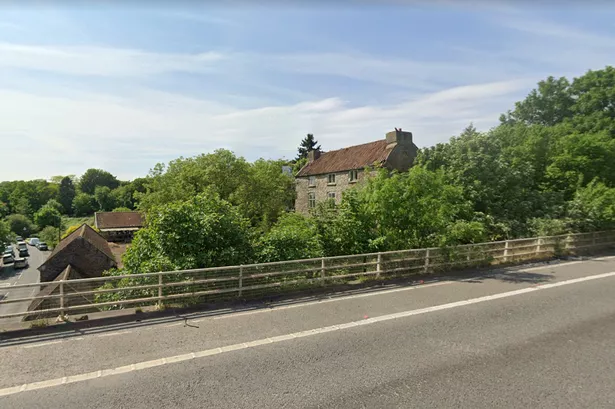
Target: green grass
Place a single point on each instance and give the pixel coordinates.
(77, 221)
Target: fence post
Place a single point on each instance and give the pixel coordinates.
(426, 268)
(506, 251)
(567, 245)
(322, 270)
(159, 290)
(538, 243)
(240, 280)
(378, 266)
(594, 239)
(62, 300)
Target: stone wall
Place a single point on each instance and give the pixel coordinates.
(322, 188)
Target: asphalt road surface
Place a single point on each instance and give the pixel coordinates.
(10, 277)
(534, 337)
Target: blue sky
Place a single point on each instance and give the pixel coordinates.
(124, 87)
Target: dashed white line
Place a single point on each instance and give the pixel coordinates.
(282, 338)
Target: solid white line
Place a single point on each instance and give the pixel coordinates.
(113, 333)
(282, 338)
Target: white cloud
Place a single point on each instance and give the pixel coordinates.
(101, 61)
(128, 135)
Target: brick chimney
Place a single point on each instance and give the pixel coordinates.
(398, 137)
(313, 155)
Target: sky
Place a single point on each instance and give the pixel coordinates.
(123, 86)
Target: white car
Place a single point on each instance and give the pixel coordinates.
(34, 241)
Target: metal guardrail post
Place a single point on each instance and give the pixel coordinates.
(378, 266)
(62, 299)
(426, 268)
(506, 251)
(240, 280)
(159, 290)
(322, 270)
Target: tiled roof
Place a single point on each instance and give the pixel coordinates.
(87, 233)
(352, 157)
(69, 273)
(117, 220)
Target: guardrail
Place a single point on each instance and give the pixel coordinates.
(253, 280)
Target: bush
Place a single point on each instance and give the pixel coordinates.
(48, 215)
(122, 209)
(49, 235)
(294, 236)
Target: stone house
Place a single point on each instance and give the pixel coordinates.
(83, 254)
(327, 175)
(118, 226)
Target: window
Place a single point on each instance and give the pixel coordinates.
(331, 195)
(353, 175)
(331, 178)
(312, 181)
(311, 200)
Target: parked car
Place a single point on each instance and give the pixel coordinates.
(23, 249)
(7, 259)
(18, 239)
(34, 241)
(20, 262)
(8, 250)
(42, 246)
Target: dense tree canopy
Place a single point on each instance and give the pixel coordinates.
(307, 144)
(97, 177)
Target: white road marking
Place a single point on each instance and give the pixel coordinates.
(42, 344)
(110, 334)
(283, 338)
(3, 285)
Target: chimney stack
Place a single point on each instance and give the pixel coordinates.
(398, 137)
(313, 155)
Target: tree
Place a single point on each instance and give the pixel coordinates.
(48, 215)
(66, 194)
(593, 207)
(105, 200)
(84, 204)
(294, 236)
(307, 144)
(5, 234)
(20, 225)
(548, 105)
(204, 231)
(265, 194)
(121, 209)
(49, 235)
(97, 177)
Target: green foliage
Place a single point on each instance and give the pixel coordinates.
(66, 194)
(122, 209)
(49, 235)
(48, 215)
(74, 227)
(5, 234)
(97, 177)
(593, 207)
(260, 190)
(293, 237)
(84, 204)
(307, 144)
(204, 231)
(105, 200)
(20, 225)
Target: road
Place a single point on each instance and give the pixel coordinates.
(10, 277)
(539, 337)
